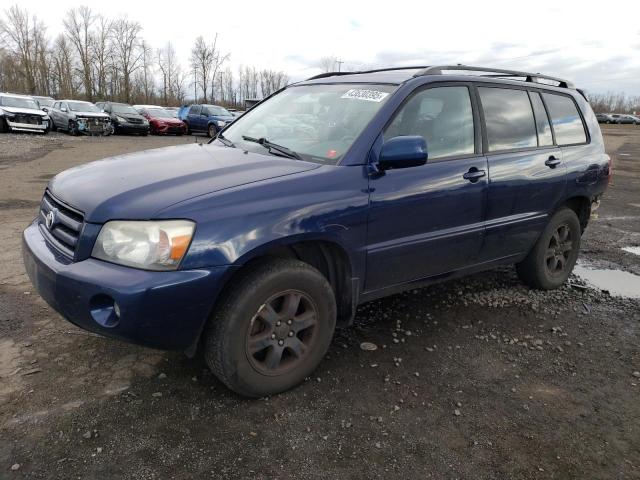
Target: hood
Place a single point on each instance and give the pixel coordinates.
(30, 111)
(225, 118)
(137, 185)
(89, 114)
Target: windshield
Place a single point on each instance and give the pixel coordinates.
(215, 110)
(319, 122)
(45, 102)
(159, 113)
(18, 102)
(122, 108)
(82, 107)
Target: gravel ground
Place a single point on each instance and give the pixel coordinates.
(477, 378)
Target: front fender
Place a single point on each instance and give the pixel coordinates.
(329, 203)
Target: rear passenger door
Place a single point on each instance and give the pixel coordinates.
(428, 220)
(527, 177)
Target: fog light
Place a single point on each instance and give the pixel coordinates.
(104, 310)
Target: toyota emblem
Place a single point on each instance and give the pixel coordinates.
(50, 219)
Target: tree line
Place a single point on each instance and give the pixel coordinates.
(99, 58)
(614, 103)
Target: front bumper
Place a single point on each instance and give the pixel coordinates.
(28, 127)
(170, 129)
(131, 128)
(165, 310)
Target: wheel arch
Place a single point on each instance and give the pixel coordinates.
(328, 257)
(581, 205)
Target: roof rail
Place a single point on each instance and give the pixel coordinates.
(386, 69)
(494, 72)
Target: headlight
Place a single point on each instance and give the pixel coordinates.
(150, 245)
(221, 123)
(121, 119)
(45, 117)
(145, 122)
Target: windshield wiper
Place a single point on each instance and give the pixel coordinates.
(224, 140)
(273, 147)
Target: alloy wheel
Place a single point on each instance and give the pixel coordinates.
(559, 250)
(282, 332)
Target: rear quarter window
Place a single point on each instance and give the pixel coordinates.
(509, 118)
(566, 121)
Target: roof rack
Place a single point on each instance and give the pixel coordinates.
(386, 69)
(494, 72)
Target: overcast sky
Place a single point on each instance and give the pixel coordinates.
(594, 43)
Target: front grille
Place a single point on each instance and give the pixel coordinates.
(94, 124)
(135, 120)
(28, 119)
(64, 232)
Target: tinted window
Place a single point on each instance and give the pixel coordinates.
(443, 116)
(194, 110)
(565, 118)
(542, 120)
(509, 118)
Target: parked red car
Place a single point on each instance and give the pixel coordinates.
(161, 121)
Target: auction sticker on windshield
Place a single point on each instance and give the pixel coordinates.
(363, 94)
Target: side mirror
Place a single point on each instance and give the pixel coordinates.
(45, 109)
(403, 152)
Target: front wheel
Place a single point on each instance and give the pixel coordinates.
(272, 329)
(211, 131)
(554, 255)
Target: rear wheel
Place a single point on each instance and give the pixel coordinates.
(272, 328)
(554, 255)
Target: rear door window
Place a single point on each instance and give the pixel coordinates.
(509, 119)
(565, 119)
(545, 138)
(442, 116)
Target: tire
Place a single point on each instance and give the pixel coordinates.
(550, 262)
(4, 128)
(73, 131)
(237, 325)
(187, 130)
(211, 131)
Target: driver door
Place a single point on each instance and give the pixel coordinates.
(429, 220)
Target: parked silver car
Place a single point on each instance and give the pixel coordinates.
(76, 117)
(20, 113)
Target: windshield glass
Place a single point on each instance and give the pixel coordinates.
(122, 108)
(159, 113)
(45, 102)
(319, 122)
(215, 110)
(19, 102)
(82, 107)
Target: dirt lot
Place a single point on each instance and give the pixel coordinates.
(479, 378)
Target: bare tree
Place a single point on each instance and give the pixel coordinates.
(77, 24)
(24, 36)
(328, 64)
(63, 67)
(206, 60)
(101, 53)
(272, 81)
(127, 53)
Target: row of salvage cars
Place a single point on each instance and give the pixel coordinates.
(22, 113)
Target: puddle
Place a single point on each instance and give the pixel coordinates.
(616, 282)
(635, 250)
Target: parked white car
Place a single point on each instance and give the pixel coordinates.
(20, 113)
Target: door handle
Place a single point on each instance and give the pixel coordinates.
(552, 162)
(473, 175)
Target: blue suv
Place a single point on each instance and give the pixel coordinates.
(209, 119)
(335, 191)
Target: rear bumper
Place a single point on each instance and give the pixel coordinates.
(164, 310)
